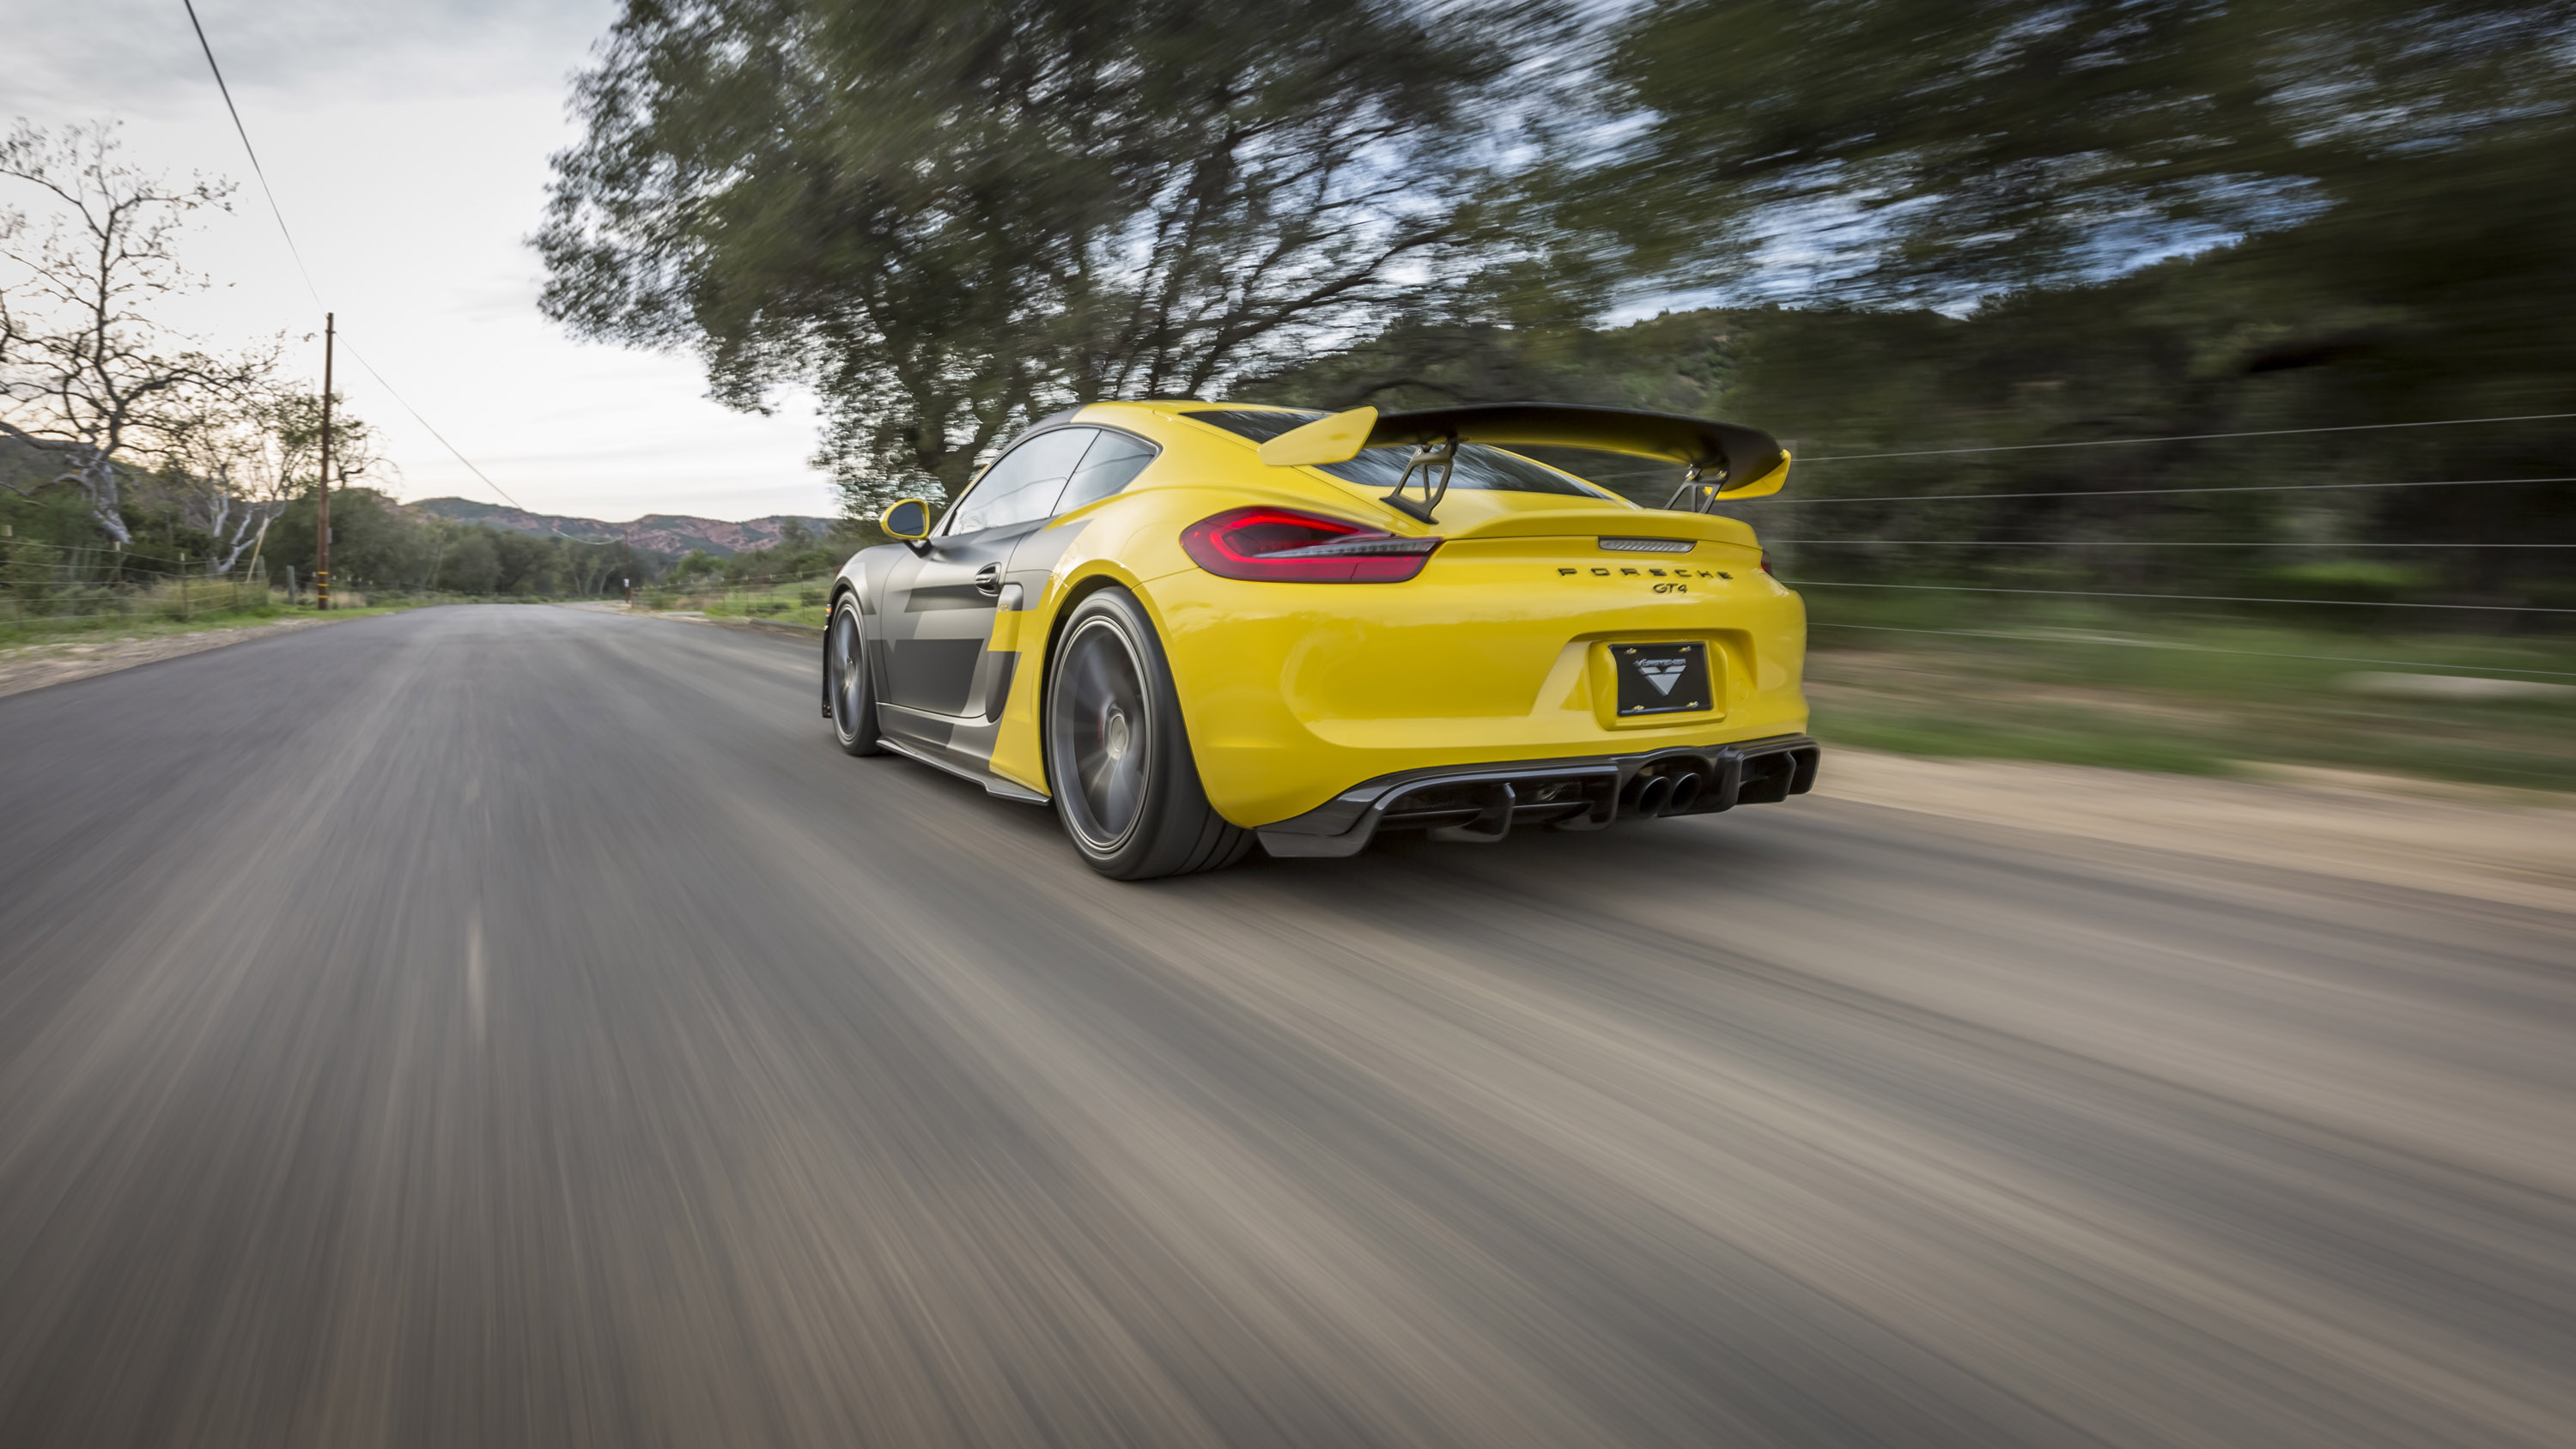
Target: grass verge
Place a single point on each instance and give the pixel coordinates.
(797, 601)
(2189, 695)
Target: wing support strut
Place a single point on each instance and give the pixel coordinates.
(1439, 456)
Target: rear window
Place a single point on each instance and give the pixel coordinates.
(1479, 467)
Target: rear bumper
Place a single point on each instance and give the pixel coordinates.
(1484, 802)
(1292, 693)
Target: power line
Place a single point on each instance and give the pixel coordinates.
(2491, 669)
(433, 432)
(2140, 543)
(298, 254)
(2136, 492)
(253, 152)
(2190, 437)
(2196, 598)
(235, 112)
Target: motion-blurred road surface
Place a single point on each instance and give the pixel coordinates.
(521, 1027)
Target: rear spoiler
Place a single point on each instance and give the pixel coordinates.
(1743, 462)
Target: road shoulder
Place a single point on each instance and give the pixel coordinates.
(34, 666)
(2515, 847)
(749, 625)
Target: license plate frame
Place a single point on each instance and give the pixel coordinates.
(1662, 677)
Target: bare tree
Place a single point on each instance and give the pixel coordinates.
(88, 372)
(241, 457)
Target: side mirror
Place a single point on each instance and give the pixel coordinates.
(908, 520)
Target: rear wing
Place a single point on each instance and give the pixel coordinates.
(1719, 460)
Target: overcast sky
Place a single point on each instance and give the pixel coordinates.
(407, 143)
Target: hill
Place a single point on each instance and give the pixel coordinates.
(668, 534)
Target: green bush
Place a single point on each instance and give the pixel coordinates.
(2354, 579)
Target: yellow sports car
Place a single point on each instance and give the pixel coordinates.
(1191, 626)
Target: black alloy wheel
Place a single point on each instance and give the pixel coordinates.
(845, 682)
(1118, 758)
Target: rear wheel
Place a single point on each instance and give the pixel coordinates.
(1118, 759)
(845, 682)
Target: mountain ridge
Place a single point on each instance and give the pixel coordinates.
(667, 534)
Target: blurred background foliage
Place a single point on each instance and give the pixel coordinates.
(1968, 234)
(947, 219)
(1872, 226)
(1997, 269)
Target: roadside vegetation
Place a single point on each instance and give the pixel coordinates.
(2000, 272)
(2202, 694)
(789, 583)
(799, 600)
(2109, 339)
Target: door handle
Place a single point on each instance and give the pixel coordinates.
(989, 578)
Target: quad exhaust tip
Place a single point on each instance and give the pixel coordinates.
(1654, 794)
(1676, 793)
(1483, 803)
(1684, 793)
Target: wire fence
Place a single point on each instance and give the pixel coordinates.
(2144, 439)
(49, 588)
(45, 589)
(2179, 646)
(2310, 545)
(2150, 492)
(2330, 566)
(2185, 598)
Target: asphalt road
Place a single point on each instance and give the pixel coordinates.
(521, 1027)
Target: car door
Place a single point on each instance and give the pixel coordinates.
(939, 605)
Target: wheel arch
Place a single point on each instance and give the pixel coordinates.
(844, 586)
(1091, 581)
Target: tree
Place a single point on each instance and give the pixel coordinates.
(88, 373)
(946, 219)
(473, 565)
(236, 461)
(1936, 152)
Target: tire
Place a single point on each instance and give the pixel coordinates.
(849, 696)
(1117, 756)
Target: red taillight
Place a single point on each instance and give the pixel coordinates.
(1277, 545)
(1766, 563)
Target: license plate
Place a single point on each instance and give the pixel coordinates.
(1662, 678)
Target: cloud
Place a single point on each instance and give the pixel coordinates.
(137, 57)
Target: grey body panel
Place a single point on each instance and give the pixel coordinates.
(929, 608)
(959, 739)
(935, 657)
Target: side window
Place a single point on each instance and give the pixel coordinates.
(1023, 485)
(1112, 464)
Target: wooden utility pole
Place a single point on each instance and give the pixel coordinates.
(322, 494)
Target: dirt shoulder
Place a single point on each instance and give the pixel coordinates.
(2511, 846)
(33, 666)
(699, 616)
